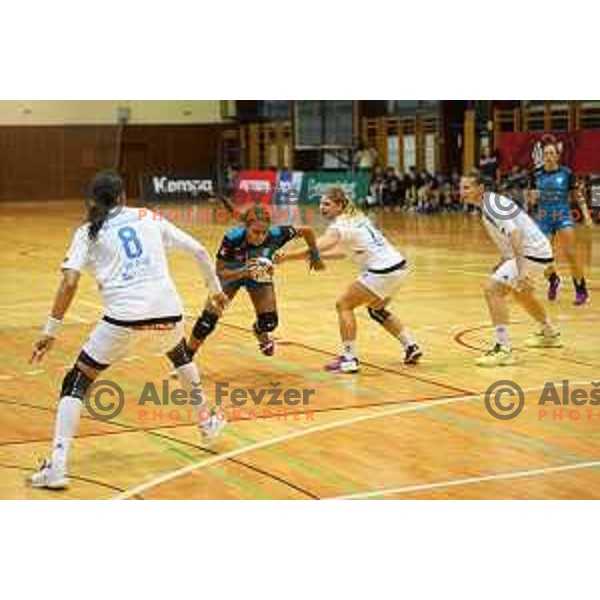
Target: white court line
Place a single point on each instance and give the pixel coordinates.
(407, 489)
(169, 476)
(280, 439)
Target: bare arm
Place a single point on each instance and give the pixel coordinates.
(314, 253)
(63, 298)
(326, 242)
(578, 196)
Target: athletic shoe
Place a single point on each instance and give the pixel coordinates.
(497, 356)
(553, 288)
(267, 347)
(49, 477)
(541, 340)
(412, 355)
(211, 428)
(581, 297)
(341, 364)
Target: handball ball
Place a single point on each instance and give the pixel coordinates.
(263, 262)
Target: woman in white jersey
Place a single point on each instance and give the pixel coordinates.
(127, 252)
(382, 271)
(526, 253)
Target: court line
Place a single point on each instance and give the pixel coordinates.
(143, 487)
(412, 376)
(237, 461)
(407, 489)
(110, 486)
(458, 338)
(169, 476)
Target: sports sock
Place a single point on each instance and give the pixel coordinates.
(189, 378)
(349, 349)
(502, 336)
(548, 329)
(406, 339)
(67, 420)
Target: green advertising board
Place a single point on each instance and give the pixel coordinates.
(316, 183)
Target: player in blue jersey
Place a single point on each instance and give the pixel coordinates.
(245, 260)
(554, 187)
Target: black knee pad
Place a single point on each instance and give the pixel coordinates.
(205, 324)
(266, 322)
(180, 355)
(75, 383)
(380, 315)
(87, 360)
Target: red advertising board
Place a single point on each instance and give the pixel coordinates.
(580, 150)
(253, 188)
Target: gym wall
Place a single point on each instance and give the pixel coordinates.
(51, 149)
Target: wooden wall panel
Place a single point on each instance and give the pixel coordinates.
(48, 162)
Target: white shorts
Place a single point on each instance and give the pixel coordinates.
(110, 343)
(383, 285)
(507, 272)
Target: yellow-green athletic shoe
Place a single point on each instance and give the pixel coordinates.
(541, 340)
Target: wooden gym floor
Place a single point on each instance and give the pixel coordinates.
(390, 432)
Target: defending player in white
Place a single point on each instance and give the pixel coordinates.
(127, 252)
(382, 271)
(526, 252)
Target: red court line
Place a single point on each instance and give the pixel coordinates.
(458, 338)
(446, 386)
(150, 430)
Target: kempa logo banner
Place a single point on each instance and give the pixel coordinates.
(174, 187)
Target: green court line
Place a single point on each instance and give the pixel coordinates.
(521, 441)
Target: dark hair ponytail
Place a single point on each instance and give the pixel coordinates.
(105, 192)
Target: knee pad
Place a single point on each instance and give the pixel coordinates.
(75, 384)
(180, 355)
(87, 360)
(205, 324)
(266, 322)
(380, 315)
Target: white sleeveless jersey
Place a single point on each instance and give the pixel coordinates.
(130, 264)
(368, 247)
(501, 216)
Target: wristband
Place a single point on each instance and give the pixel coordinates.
(315, 254)
(51, 327)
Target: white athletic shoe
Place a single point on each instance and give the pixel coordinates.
(211, 428)
(343, 364)
(49, 477)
